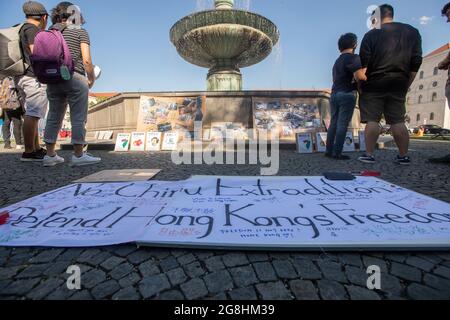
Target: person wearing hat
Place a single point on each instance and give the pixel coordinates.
(33, 93)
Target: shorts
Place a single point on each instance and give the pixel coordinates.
(373, 105)
(34, 96)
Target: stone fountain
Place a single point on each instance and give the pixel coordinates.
(224, 40)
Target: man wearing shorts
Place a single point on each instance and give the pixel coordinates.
(392, 55)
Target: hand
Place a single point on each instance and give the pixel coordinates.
(91, 83)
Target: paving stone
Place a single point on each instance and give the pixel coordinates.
(151, 286)
(359, 293)
(307, 270)
(443, 272)
(160, 253)
(99, 258)
(138, 257)
(284, 269)
(235, 259)
(420, 263)
(186, 259)
(44, 288)
(194, 289)
(417, 291)
(176, 276)
(88, 255)
(105, 289)
(332, 271)
(112, 262)
(149, 268)
(356, 276)
(436, 259)
(121, 271)
(241, 294)
(62, 293)
(20, 287)
(70, 255)
(81, 295)
(304, 290)
(332, 290)
(169, 263)
(243, 276)
(57, 269)
(391, 285)
(178, 253)
(46, 256)
(4, 284)
(373, 261)
(9, 272)
(204, 255)
(406, 272)
(436, 282)
(129, 293)
(92, 278)
(125, 250)
(351, 259)
(171, 295)
(218, 281)
(218, 297)
(130, 280)
(194, 270)
(214, 264)
(280, 256)
(257, 257)
(265, 271)
(395, 257)
(273, 291)
(33, 271)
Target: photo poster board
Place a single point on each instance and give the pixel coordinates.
(236, 130)
(321, 142)
(138, 141)
(154, 141)
(362, 141)
(349, 144)
(305, 143)
(285, 117)
(170, 114)
(170, 141)
(122, 142)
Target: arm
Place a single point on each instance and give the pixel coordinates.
(412, 76)
(365, 52)
(360, 75)
(445, 64)
(416, 59)
(87, 61)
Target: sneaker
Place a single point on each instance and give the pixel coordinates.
(42, 152)
(444, 160)
(32, 157)
(367, 159)
(8, 146)
(53, 161)
(405, 161)
(341, 157)
(84, 160)
(20, 147)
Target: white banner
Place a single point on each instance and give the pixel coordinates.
(277, 213)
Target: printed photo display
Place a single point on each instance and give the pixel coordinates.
(122, 142)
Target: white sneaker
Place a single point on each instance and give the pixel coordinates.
(20, 147)
(84, 160)
(52, 161)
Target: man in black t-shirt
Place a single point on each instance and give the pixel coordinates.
(346, 71)
(392, 55)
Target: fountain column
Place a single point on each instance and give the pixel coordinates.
(225, 75)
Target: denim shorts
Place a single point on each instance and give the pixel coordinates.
(34, 94)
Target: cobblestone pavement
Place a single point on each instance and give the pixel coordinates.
(126, 272)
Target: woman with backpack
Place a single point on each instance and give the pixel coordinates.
(74, 92)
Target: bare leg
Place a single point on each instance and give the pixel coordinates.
(401, 137)
(372, 135)
(51, 149)
(30, 133)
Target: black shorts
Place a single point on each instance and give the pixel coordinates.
(373, 105)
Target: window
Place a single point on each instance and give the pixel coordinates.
(434, 97)
(421, 87)
(421, 74)
(435, 84)
(432, 116)
(418, 117)
(420, 99)
(436, 71)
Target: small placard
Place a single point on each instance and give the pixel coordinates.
(305, 143)
(122, 142)
(349, 144)
(138, 141)
(321, 138)
(153, 141)
(170, 141)
(362, 141)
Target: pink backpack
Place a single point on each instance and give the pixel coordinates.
(51, 59)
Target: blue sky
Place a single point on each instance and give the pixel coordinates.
(130, 39)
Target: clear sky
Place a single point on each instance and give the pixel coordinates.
(130, 39)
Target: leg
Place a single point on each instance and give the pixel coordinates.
(348, 104)
(57, 111)
(372, 135)
(331, 135)
(6, 130)
(371, 107)
(78, 101)
(401, 137)
(17, 129)
(395, 113)
(30, 133)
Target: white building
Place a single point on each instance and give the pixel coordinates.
(426, 101)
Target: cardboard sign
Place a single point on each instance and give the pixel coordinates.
(305, 143)
(321, 140)
(170, 141)
(122, 142)
(138, 141)
(362, 141)
(153, 141)
(349, 144)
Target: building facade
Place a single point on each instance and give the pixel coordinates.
(426, 101)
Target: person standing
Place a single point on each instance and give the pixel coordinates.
(74, 92)
(445, 65)
(33, 93)
(346, 72)
(12, 112)
(392, 55)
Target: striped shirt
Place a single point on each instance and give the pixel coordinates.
(74, 39)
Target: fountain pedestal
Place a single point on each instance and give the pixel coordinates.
(224, 77)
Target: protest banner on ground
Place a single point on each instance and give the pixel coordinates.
(255, 213)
